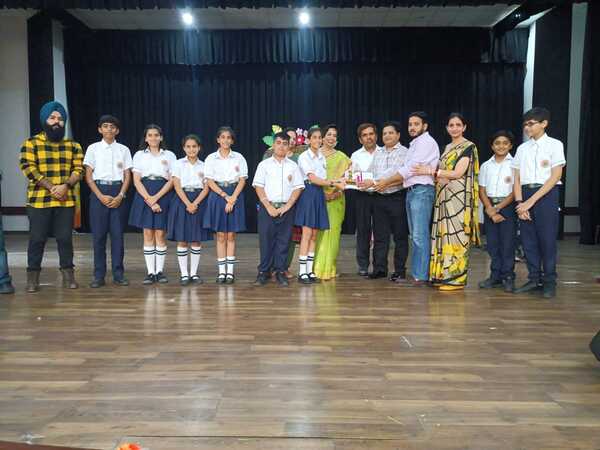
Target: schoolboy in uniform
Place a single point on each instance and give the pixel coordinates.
(107, 173)
(538, 166)
(496, 194)
(278, 183)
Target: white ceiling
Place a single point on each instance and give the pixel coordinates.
(245, 18)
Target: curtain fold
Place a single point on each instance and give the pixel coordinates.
(589, 154)
(290, 46)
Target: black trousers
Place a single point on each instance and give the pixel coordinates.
(45, 222)
(389, 218)
(363, 207)
(274, 235)
(501, 240)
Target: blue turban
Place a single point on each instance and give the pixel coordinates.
(49, 108)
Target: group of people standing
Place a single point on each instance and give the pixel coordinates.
(399, 192)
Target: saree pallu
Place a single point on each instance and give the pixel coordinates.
(328, 241)
(455, 218)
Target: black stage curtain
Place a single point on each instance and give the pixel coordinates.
(251, 97)
(325, 45)
(589, 159)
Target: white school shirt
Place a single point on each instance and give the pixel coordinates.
(535, 159)
(497, 178)
(225, 170)
(278, 179)
(108, 161)
(311, 163)
(362, 160)
(190, 175)
(148, 164)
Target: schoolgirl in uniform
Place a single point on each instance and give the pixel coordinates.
(152, 169)
(225, 172)
(187, 209)
(311, 211)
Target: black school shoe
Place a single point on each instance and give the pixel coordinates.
(148, 279)
(97, 283)
(262, 278)
(161, 278)
(379, 274)
(530, 287)
(509, 285)
(282, 279)
(397, 276)
(304, 279)
(490, 283)
(313, 278)
(121, 281)
(549, 290)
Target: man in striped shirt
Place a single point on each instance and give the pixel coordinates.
(53, 165)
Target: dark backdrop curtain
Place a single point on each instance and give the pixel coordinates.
(589, 159)
(251, 97)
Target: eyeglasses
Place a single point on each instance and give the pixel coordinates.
(530, 123)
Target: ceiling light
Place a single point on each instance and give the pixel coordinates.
(187, 18)
(304, 18)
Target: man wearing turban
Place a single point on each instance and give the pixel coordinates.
(53, 166)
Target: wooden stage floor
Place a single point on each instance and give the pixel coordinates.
(350, 364)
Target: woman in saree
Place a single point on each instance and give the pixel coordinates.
(328, 241)
(455, 214)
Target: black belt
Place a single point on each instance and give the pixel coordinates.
(389, 194)
(226, 184)
(191, 189)
(108, 182)
(154, 178)
(277, 204)
(532, 186)
(496, 200)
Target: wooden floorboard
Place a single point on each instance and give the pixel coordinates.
(344, 365)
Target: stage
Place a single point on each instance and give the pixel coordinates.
(348, 364)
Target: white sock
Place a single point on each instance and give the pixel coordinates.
(310, 261)
(150, 257)
(182, 257)
(161, 255)
(230, 264)
(195, 260)
(302, 260)
(222, 264)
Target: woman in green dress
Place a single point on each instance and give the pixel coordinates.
(455, 214)
(328, 241)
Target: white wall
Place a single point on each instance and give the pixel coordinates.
(530, 65)
(14, 110)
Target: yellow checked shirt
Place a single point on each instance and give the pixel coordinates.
(41, 158)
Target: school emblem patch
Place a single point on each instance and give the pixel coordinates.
(290, 178)
(200, 174)
(164, 162)
(545, 163)
(237, 168)
(119, 165)
(508, 180)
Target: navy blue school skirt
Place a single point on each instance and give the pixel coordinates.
(141, 216)
(311, 210)
(216, 219)
(186, 227)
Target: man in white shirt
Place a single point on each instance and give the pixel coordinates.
(362, 161)
(278, 184)
(538, 166)
(107, 165)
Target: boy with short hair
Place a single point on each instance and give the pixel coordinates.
(538, 166)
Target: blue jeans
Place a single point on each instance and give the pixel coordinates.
(419, 205)
(4, 276)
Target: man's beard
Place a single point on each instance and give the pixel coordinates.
(55, 133)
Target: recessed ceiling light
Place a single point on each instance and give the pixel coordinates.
(304, 18)
(187, 18)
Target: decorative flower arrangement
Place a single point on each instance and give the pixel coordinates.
(301, 135)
